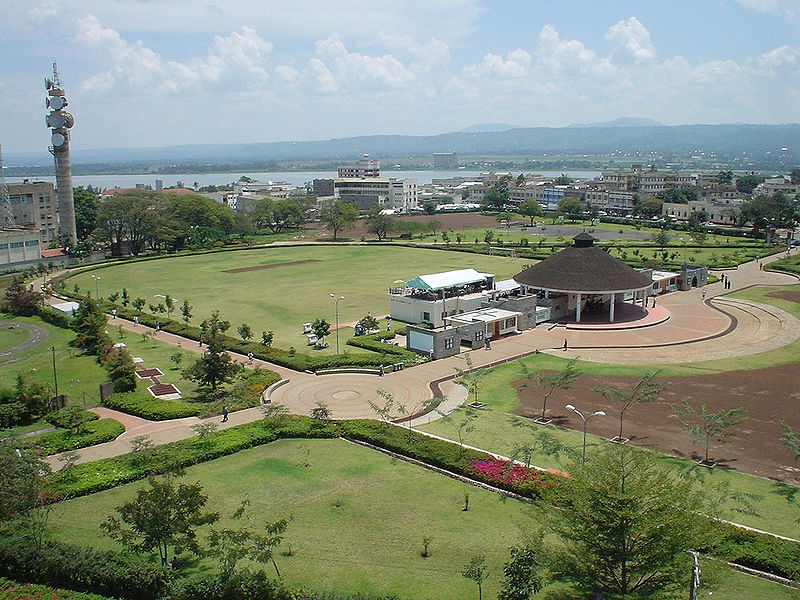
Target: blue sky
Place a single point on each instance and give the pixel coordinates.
(163, 72)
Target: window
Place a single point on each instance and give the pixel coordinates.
(426, 316)
(448, 343)
(32, 243)
(16, 244)
(479, 335)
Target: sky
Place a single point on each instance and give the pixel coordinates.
(170, 72)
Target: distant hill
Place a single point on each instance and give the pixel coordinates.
(622, 122)
(777, 142)
(487, 127)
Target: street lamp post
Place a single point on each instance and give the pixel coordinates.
(684, 249)
(337, 319)
(96, 286)
(597, 413)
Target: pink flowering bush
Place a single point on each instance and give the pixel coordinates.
(506, 474)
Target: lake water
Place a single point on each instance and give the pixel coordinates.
(297, 178)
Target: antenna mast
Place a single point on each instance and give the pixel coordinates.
(5, 201)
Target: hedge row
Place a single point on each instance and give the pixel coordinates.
(89, 434)
(375, 342)
(11, 590)
(87, 478)
(62, 416)
(142, 404)
(82, 569)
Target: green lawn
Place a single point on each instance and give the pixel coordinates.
(282, 298)
(11, 336)
(358, 521)
(79, 374)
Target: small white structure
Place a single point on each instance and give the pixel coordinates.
(66, 308)
(312, 339)
(306, 328)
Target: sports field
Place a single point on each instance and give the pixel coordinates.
(279, 288)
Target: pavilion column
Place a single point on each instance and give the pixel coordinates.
(578, 308)
(611, 309)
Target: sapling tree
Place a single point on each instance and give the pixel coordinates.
(320, 412)
(186, 311)
(245, 332)
(138, 305)
(383, 411)
(643, 391)
(477, 571)
(705, 426)
(267, 337)
(547, 382)
(321, 328)
(471, 378)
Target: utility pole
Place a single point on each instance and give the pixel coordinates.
(55, 376)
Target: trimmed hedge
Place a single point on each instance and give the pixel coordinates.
(89, 434)
(374, 342)
(59, 418)
(141, 404)
(757, 551)
(82, 569)
(11, 590)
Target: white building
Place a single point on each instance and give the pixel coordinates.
(401, 195)
(366, 167)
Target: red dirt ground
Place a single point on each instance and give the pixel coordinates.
(791, 296)
(272, 266)
(768, 395)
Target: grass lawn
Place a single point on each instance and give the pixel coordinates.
(282, 298)
(78, 373)
(11, 336)
(358, 520)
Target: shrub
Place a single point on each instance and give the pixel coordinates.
(62, 417)
(141, 404)
(11, 590)
(96, 432)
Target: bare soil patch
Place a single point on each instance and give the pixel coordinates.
(790, 295)
(768, 395)
(272, 266)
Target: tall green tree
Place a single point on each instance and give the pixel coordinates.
(278, 214)
(162, 516)
(627, 525)
(86, 207)
(747, 183)
(338, 215)
(530, 209)
(379, 224)
(571, 207)
(186, 312)
(24, 493)
(89, 323)
(215, 367)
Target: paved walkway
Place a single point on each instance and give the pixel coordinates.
(697, 330)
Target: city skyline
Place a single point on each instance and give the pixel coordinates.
(161, 73)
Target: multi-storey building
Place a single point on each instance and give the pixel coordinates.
(34, 207)
(445, 160)
(389, 193)
(613, 202)
(366, 167)
(720, 211)
(646, 183)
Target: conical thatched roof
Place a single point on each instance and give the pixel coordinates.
(583, 267)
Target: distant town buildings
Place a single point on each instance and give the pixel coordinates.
(445, 160)
(400, 195)
(365, 168)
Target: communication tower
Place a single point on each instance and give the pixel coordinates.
(7, 217)
(60, 122)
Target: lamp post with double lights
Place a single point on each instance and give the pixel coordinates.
(597, 413)
(96, 286)
(340, 298)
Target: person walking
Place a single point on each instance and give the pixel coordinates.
(224, 414)
(565, 344)
(703, 293)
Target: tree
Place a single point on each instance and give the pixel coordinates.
(383, 412)
(523, 572)
(660, 238)
(126, 299)
(488, 236)
(627, 525)
(277, 215)
(229, 546)
(320, 412)
(86, 205)
(215, 367)
(20, 299)
(138, 305)
(747, 183)
(245, 332)
(169, 304)
(648, 207)
(267, 337)
(89, 324)
(176, 358)
(571, 207)
(697, 219)
(706, 426)
(562, 179)
(477, 571)
(433, 226)
(547, 383)
(530, 209)
(186, 311)
(643, 391)
(338, 215)
(495, 198)
(25, 500)
(368, 323)
(321, 328)
(379, 224)
(795, 176)
(161, 516)
(725, 177)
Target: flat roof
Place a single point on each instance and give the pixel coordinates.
(486, 315)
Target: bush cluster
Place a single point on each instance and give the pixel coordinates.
(757, 551)
(375, 342)
(141, 404)
(11, 590)
(90, 434)
(82, 569)
(64, 417)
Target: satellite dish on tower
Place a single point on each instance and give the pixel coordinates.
(56, 120)
(48, 83)
(58, 140)
(69, 120)
(58, 102)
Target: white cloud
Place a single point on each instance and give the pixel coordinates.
(632, 41)
(786, 9)
(569, 57)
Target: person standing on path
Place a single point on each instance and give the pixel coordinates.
(224, 414)
(565, 344)
(703, 293)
